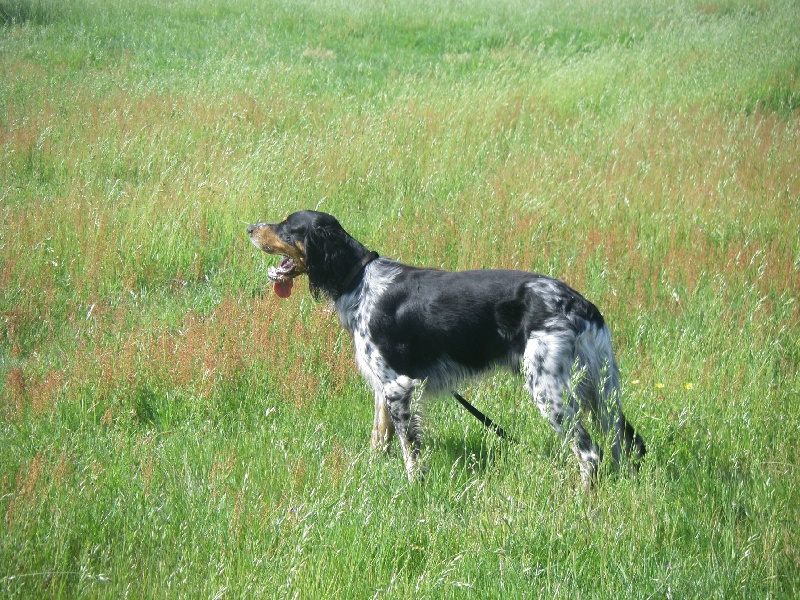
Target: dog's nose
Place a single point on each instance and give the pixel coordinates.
(250, 229)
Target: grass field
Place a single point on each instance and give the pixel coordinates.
(169, 428)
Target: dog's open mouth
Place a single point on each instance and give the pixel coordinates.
(283, 275)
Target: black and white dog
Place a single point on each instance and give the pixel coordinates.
(413, 325)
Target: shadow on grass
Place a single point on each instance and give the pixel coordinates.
(476, 453)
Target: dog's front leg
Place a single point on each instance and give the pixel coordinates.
(399, 395)
(382, 426)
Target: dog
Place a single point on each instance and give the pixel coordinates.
(417, 328)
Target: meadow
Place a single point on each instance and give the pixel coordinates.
(171, 428)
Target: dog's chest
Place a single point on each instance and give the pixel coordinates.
(355, 314)
(369, 359)
(371, 363)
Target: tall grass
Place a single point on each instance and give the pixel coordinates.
(170, 428)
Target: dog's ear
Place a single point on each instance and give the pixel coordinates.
(331, 253)
(319, 245)
(326, 251)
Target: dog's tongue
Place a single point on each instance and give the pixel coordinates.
(283, 288)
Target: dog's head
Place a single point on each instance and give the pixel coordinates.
(313, 243)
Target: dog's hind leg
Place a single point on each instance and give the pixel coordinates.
(382, 426)
(399, 395)
(601, 391)
(551, 379)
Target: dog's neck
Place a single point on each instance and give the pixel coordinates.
(356, 271)
(336, 268)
